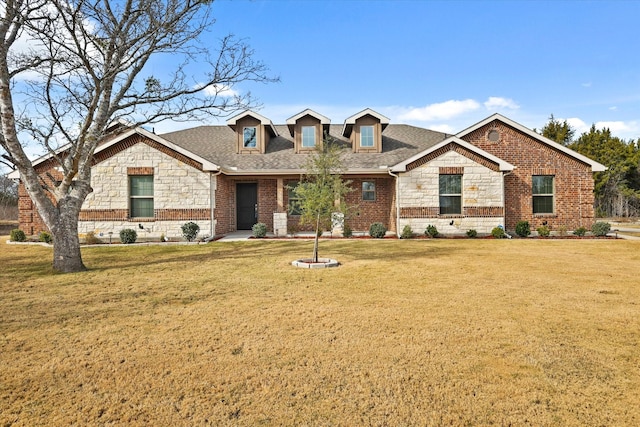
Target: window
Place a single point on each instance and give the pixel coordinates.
(141, 196)
(542, 194)
(369, 191)
(308, 136)
(249, 135)
(450, 194)
(366, 136)
(294, 200)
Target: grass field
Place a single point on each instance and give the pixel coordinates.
(417, 332)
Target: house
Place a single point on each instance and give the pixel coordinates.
(228, 177)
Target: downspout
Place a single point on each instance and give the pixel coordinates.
(397, 177)
(213, 184)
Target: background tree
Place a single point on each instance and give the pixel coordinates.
(89, 64)
(617, 190)
(322, 190)
(8, 199)
(558, 131)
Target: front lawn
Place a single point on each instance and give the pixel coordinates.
(405, 332)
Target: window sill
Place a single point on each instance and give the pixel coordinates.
(545, 215)
(141, 219)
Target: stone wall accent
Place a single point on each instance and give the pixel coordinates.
(482, 199)
(280, 224)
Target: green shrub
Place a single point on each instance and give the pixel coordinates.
(377, 230)
(600, 228)
(472, 233)
(190, 231)
(523, 229)
(127, 235)
(259, 230)
(45, 237)
(407, 232)
(543, 231)
(346, 231)
(498, 233)
(17, 235)
(580, 231)
(431, 231)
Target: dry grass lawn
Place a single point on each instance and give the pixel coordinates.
(419, 332)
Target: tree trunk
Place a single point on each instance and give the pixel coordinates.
(66, 244)
(315, 242)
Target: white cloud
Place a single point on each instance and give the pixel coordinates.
(587, 84)
(496, 103)
(578, 124)
(441, 111)
(220, 90)
(444, 128)
(621, 129)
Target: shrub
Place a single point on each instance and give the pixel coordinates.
(17, 235)
(580, 231)
(190, 231)
(543, 231)
(259, 230)
(431, 231)
(523, 229)
(377, 230)
(127, 235)
(91, 239)
(472, 233)
(562, 230)
(407, 232)
(346, 231)
(600, 228)
(45, 237)
(498, 233)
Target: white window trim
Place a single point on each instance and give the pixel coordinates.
(373, 136)
(302, 142)
(244, 141)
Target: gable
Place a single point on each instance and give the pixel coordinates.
(459, 146)
(513, 142)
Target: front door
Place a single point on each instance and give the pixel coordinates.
(246, 205)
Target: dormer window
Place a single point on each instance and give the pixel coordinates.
(250, 137)
(366, 136)
(308, 136)
(307, 129)
(253, 132)
(364, 130)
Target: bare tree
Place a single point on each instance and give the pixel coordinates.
(89, 64)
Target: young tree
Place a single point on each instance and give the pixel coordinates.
(90, 63)
(322, 190)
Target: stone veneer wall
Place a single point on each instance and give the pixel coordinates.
(182, 193)
(482, 200)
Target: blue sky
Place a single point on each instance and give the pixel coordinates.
(445, 65)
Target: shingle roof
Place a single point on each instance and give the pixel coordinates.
(217, 144)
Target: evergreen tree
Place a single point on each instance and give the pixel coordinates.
(617, 190)
(560, 132)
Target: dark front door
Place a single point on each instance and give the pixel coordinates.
(246, 205)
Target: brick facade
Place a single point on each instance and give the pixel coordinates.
(573, 179)
(183, 191)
